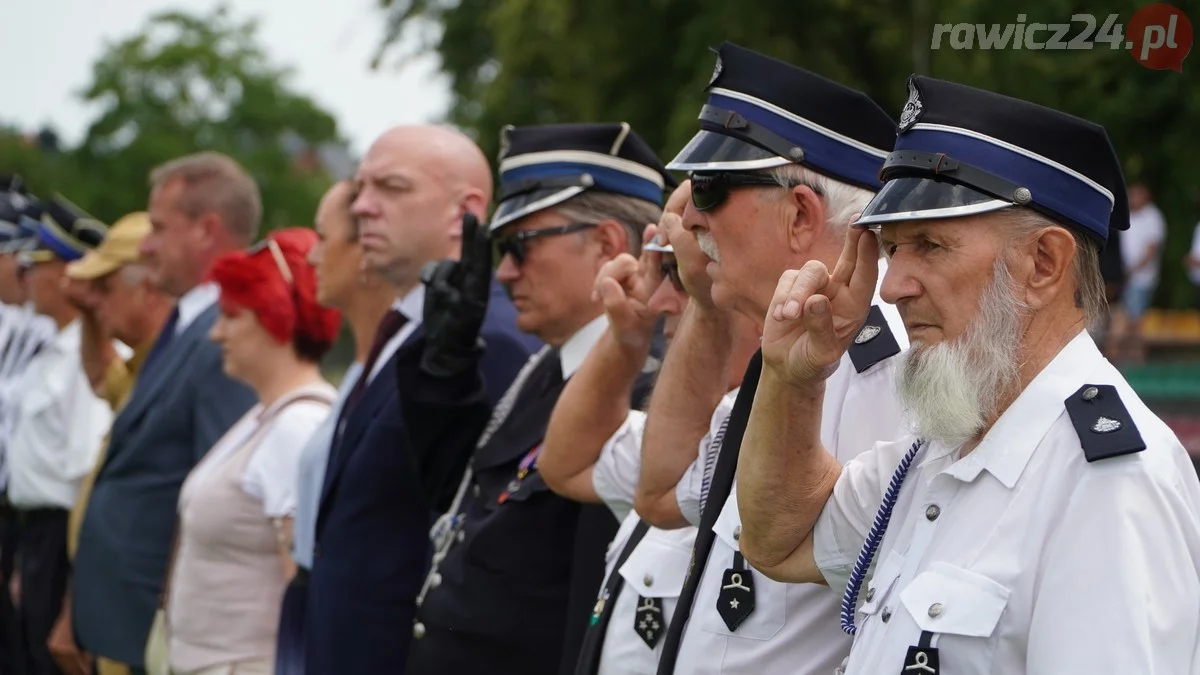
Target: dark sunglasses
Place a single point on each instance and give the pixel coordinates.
(710, 190)
(670, 270)
(514, 244)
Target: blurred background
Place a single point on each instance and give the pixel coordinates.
(95, 94)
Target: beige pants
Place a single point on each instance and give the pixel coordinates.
(243, 668)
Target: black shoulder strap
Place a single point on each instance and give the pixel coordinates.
(722, 485)
(593, 639)
(1104, 426)
(874, 341)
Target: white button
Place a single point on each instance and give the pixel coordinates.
(418, 630)
(935, 609)
(435, 580)
(475, 490)
(462, 536)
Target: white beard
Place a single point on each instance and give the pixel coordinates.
(952, 389)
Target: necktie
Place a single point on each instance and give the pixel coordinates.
(391, 324)
(165, 338)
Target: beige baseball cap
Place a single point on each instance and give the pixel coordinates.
(120, 247)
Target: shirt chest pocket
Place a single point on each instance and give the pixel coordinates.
(721, 586)
(959, 612)
(877, 597)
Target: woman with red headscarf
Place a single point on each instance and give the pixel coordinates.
(233, 557)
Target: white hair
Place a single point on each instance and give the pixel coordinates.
(842, 201)
(1085, 268)
(951, 390)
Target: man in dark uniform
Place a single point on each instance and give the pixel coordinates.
(516, 567)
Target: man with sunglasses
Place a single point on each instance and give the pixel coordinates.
(783, 161)
(516, 567)
(593, 447)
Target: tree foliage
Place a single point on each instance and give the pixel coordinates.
(647, 61)
(181, 84)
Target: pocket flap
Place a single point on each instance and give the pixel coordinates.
(728, 527)
(875, 592)
(658, 566)
(955, 601)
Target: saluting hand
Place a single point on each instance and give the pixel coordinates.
(625, 285)
(814, 314)
(456, 299)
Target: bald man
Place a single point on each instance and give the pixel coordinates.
(379, 498)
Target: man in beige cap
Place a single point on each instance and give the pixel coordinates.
(118, 300)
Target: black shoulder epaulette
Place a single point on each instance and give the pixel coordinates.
(874, 341)
(1104, 426)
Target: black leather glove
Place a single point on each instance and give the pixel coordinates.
(456, 299)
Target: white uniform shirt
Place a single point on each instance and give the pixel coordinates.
(1146, 228)
(1022, 557)
(794, 628)
(1194, 272)
(60, 425)
(655, 569)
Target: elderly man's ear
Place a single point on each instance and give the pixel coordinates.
(1047, 264)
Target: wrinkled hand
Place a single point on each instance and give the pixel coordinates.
(456, 299)
(625, 285)
(814, 314)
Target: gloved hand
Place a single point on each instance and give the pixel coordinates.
(456, 299)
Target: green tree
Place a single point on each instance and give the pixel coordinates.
(646, 62)
(185, 83)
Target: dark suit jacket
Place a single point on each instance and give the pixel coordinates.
(179, 409)
(372, 537)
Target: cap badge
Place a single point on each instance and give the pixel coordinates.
(716, 70)
(867, 334)
(912, 109)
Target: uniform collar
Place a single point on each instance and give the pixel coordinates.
(69, 338)
(1009, 445)
(576, 348)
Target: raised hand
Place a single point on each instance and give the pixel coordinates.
(814, 314)
(456, 299)
(625, 285)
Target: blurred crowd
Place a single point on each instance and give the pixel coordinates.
(601, 420)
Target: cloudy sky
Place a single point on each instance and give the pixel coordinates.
(49, 46)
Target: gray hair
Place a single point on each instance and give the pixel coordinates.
(633, 214)
(1085, 269)
(215, 183)
(842, 201)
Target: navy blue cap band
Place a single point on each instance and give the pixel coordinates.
(1053, 186)
(825, 151)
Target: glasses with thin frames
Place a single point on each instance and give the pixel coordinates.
(514, 244)
(271, 245)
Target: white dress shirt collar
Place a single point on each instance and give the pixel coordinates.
(576, 348)
(193, 303)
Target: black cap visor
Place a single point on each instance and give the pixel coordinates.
(924, 198)
(712, 151)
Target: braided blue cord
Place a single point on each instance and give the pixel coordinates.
(874, 537)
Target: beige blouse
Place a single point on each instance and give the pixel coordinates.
(227, 580)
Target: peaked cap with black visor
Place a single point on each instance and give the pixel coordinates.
(20, 213)
(66, 232)
(762, 113)
(963, 151)
(544, 166)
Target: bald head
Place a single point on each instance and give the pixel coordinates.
(413, 188)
